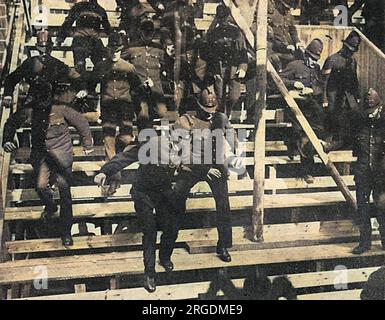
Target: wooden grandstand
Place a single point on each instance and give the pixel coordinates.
(308, 230)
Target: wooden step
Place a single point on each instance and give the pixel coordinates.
(279, 235)
(196, 289)
(115, 264)
(24, 153)
(235, 186)
(335, 295)
(95, 166)
(126, 208)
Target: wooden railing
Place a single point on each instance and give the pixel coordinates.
(16, 31)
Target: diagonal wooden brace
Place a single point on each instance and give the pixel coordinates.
(292, 104)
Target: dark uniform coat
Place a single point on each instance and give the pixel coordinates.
(118, 79)
(50, 133)
(342, 82)
(43, 69)
(284, 30)
(369, 144)
(89, 18)
(147, 57)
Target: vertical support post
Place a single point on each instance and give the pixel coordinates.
(260, 122)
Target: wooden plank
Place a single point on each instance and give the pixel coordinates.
(5, 113)
(335, 295)
(23, 154)
(126, 208)
(193, 290)
(274, 235)
(202, 187)
(95, 166)
(120, 263)
(257, 215)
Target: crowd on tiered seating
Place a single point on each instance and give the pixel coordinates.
(156, 61)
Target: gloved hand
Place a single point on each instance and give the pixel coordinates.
(236, 163)
(217, 77)
(9, 147)
(299, 85)
(290, 47)
(100, 179)
(300, 46)
(161, 7)
(7, 102)
(88, 151)
(307, 92)
(325, 104)
(240, 74)
(214, 173)
(149, 83)
(82, 94)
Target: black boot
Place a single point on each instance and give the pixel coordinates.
(67, 240)
(365, 242)
(48, 213)
(149, 283)
(167, 264)
(223, 254)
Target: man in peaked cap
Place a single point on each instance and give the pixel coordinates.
(207, 121)
(152, 191)
(305, 77)
(341, 91)
(133, 11)
(119, 82)
(228, 50)
(40, 68)
(284, 40)
(368, 123)
(89, 17)
(147, 56)
(51, 116)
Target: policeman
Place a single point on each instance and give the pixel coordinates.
(208, 120)
(229, 51)
(312, 10)
(52, 154)
(369, 148)
(304, 76)
(341, 91)
(89, 17)
(200, 71)
(148, 57)
(186, 15)
(43, 68)
(374, 14)
(133, 11)
(285, 40)
(152, 190)
(119, 82)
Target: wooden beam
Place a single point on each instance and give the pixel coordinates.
(124, 209)
(5, 157)
(309, 233)
(125, 263)
(260, 123)
(235, 186)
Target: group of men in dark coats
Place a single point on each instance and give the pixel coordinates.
(135, 72)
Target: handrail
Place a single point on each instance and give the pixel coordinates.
(16, 32)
